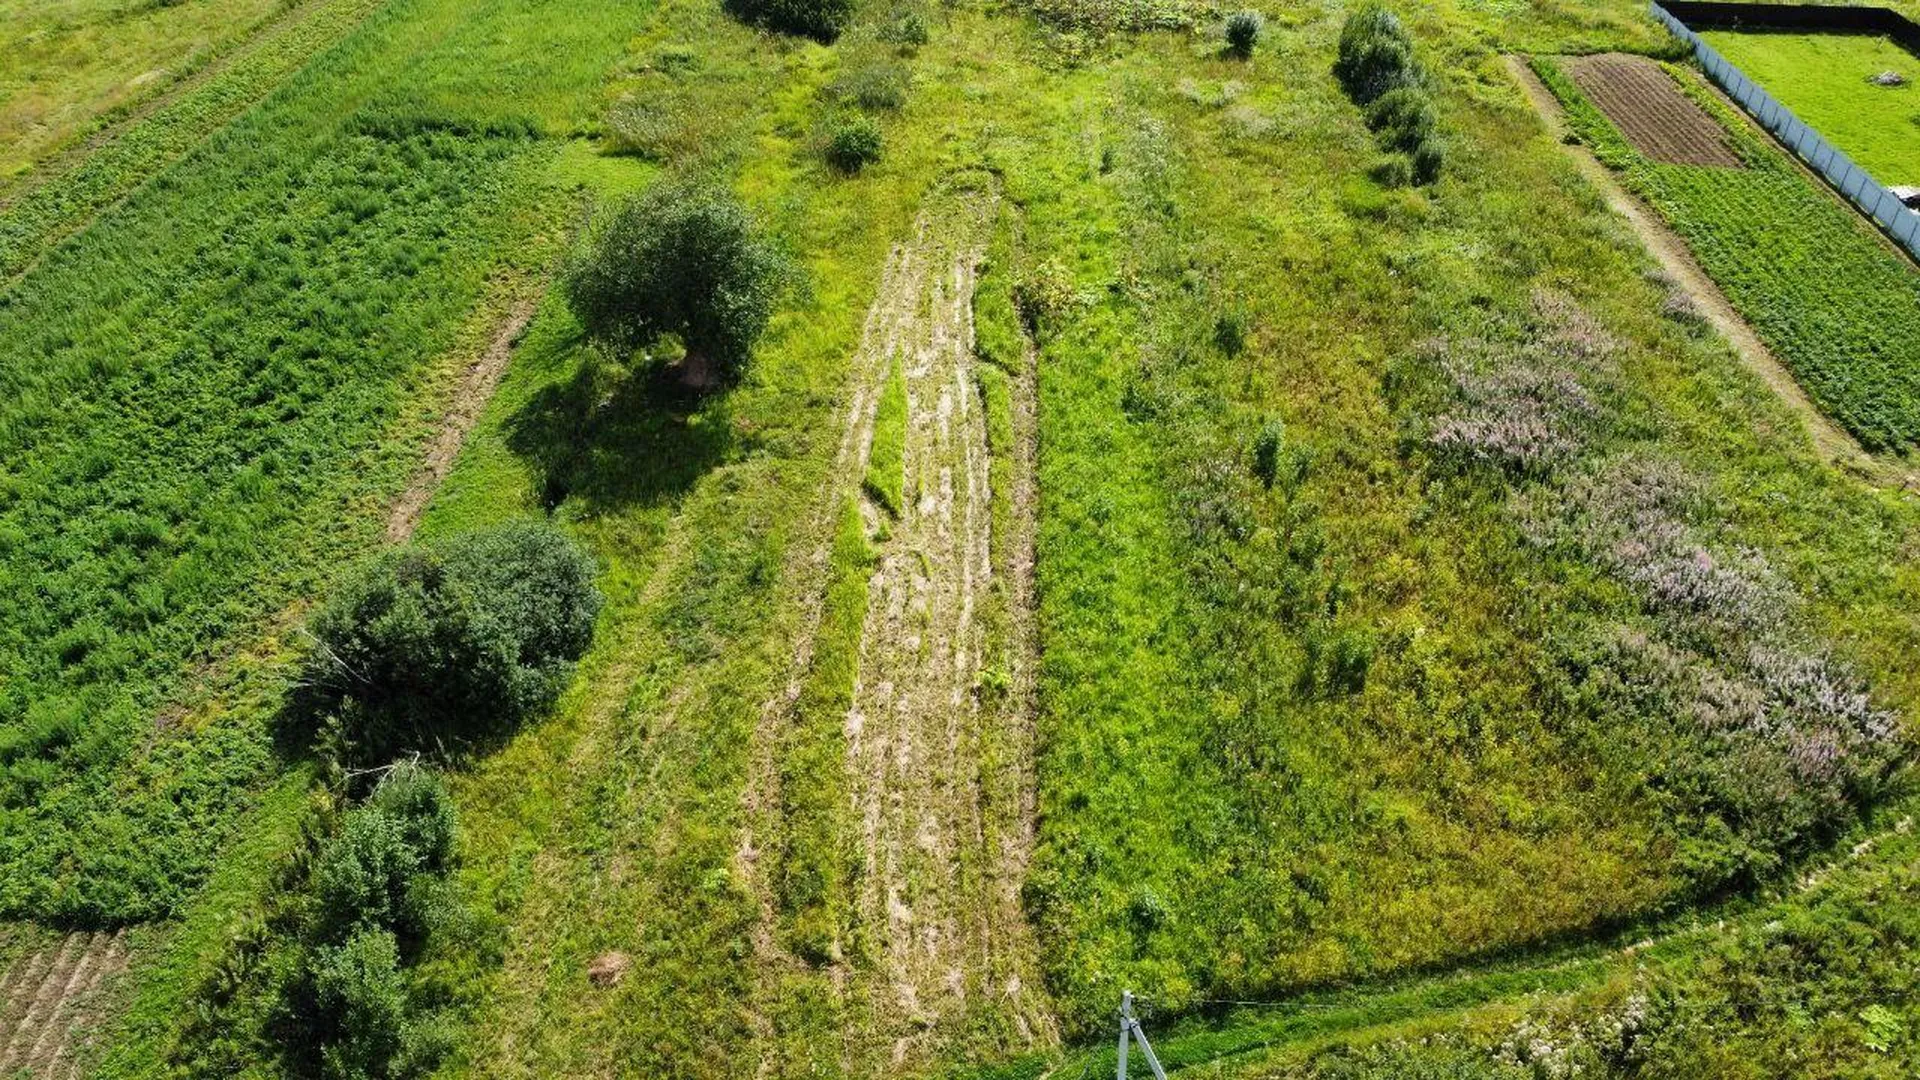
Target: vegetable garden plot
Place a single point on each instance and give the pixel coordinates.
(1651, 111)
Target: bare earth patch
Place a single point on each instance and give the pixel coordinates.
(1642, 101)
(53, 997)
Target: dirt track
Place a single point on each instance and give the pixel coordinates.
(940, 898)
(1642, 101)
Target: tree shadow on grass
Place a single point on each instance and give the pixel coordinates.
(608, 439)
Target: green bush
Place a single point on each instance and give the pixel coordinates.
(428, 645)
(418, 799)
(1428, 158)
(853, 143)
(364, 878)
(1402, 119)
(361, 1010)
(819, 19)
(1266, 451)
(875, 87)
(1376, 55)
(1243, 30)
(1392, 171)
(906, 28)
(1230, 333)
(682, 262)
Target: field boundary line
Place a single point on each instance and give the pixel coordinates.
(1671, 252)
(64, 157)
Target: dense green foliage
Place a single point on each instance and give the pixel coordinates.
(1377, 68)
(1375, 56)
(821, 19)
(679, 261)
(1838, 306)
(433, 645)
(212, 393)
(852, 143)
(1243, 31)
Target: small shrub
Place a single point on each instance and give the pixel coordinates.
(1427, 160)
(430, 644)
(853, 143)
(874, 88)
(1243, 31)
(906, 28)
(1402, 119)
(1375, 55)
(363, 878)
(418, 799)
(1266, 451)
(678, 262)
(1230, 333)
(819, 19)
(1392, 171)
(360, 998)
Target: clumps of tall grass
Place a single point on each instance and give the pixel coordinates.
(1377, 68)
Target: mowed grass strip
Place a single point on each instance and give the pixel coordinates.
(1826, 293)
(199, 389)
(71, 64)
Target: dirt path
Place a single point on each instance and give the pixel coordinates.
(475, 389)
(940, 897)
(1829, 438)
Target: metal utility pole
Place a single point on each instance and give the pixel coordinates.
(1130, 1029)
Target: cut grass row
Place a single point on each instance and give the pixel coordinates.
(70, 65)
(53, 206)
(1838, 305)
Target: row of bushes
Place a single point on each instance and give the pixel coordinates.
(1377, 68)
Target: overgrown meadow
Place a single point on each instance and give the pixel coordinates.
(1421, 592)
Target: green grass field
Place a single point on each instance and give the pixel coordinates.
(1825, 80)
(959, 669)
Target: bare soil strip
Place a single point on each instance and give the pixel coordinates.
(1829, 438)
(54, 998)
(1660, 121)
(469, 398)
(939, 899)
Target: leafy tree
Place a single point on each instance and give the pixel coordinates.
(819, 19)
(363, 878)
(418, 799)
(683, 262)
(1266, 451)
(427, 645)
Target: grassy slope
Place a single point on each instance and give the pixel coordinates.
(1448, 808)
(1823, 79)
(71, 61)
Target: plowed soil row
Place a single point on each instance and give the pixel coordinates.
(52, 999)
(1643, 102)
